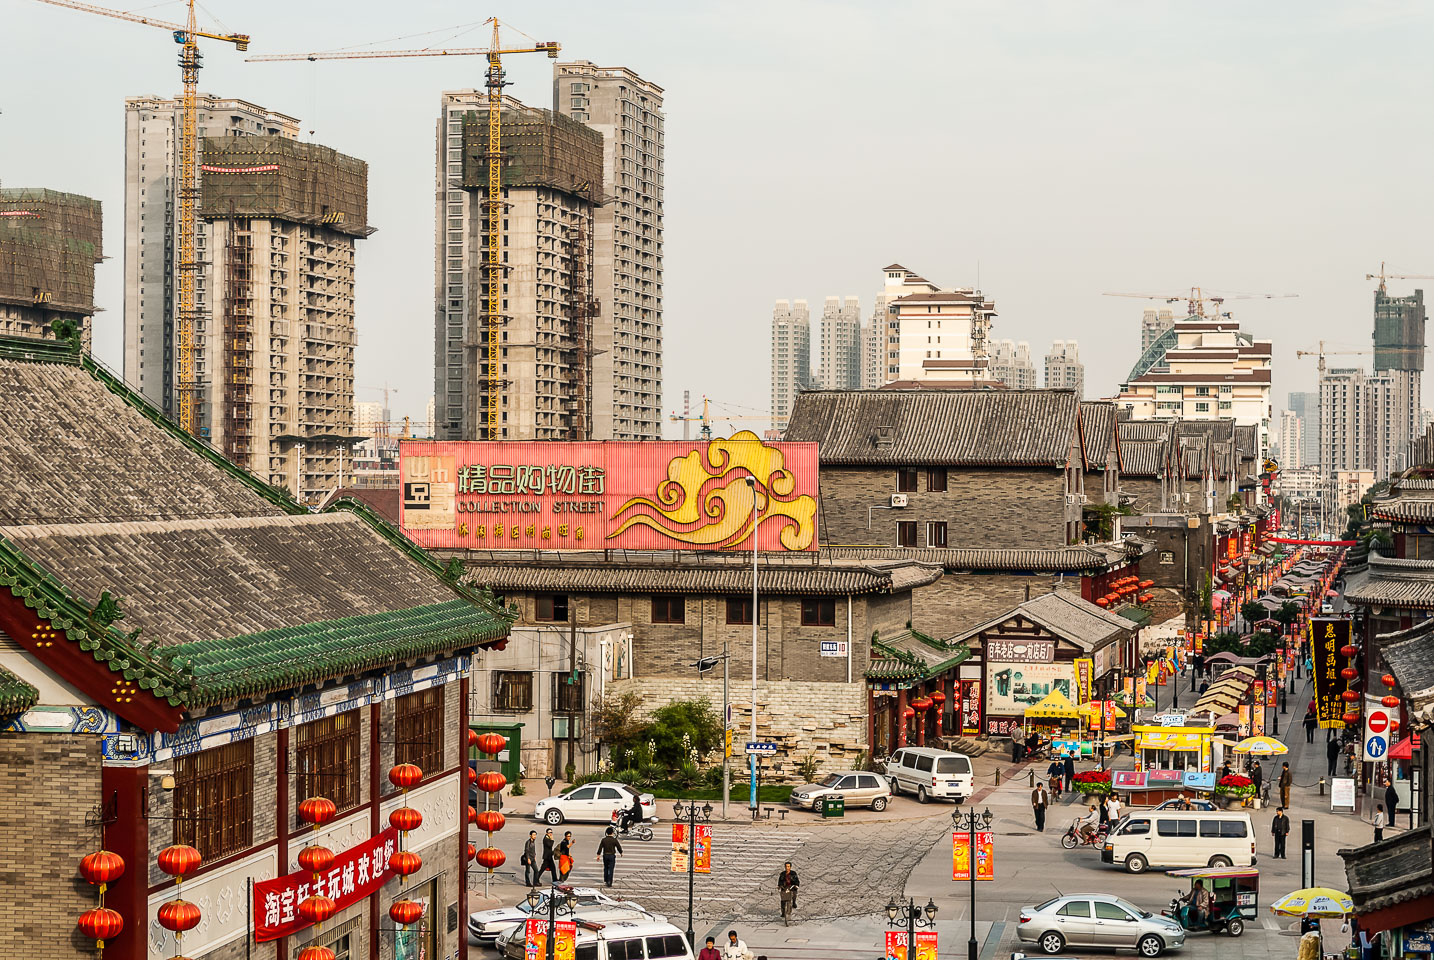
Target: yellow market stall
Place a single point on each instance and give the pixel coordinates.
(1172, 747)
(1061, 718)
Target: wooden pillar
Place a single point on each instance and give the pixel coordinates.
(374, 762)
(901, 717)
(282, 819)
(870, 723)
(462, 800)
(922, 718)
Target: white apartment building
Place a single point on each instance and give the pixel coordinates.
(873, 347)
(935, 335)
(1012, 365)
(1345, 409)
(1214, 372)
(840, 365)
(1064, 371)
(1152, 325)
(1292, 441)
(627, 244)
(791, 357)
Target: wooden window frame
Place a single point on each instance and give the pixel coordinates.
(512, 679)
(908, 480)
(568, 698)
(743, 617)
(937, 479)
(214, 800)
(550, 600)
(903, 527)
(418, 729)
(328, 756)
(668, 604)
(814, 610)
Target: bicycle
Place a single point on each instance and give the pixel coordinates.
(789, 904)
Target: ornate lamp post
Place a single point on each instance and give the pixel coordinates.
(971, 821)
(555, 909)
(910, 916)
(693, 814)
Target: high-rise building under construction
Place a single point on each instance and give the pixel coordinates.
(1399, 364)
(49, 245)
(274, 342)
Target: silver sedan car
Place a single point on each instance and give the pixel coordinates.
(1100, 921)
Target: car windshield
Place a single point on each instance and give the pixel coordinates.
(1046, 904)
(1143, 914)
(830, 780)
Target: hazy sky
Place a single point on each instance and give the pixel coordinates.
(1066, 148)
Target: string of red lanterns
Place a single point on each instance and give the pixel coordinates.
(178, 860)
(488, 820)
(317, 859)
(403, 862)
(100, 923)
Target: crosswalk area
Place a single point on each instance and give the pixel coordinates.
(745, 864)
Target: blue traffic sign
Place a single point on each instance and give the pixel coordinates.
(1375, 746)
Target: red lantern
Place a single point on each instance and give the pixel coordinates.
(492, 781)
(179, 861)
(317, 909)
(472, 851)
(1393, 725)
(1146, 584)
(472, 775)
(490, 821)
(100, 924)
(1102, 602)
(316, 859)
(1351, 717)
(1388, 679)
(1390, 701)
(405, 819)
(315, 953)
(405, 776)
(404, 912)
(922, 703)
(1349, 673)
(405, 862)
(490, 857)
(1348, 650)
(938, 697)
(1350, 696)
(472, 738)
(472, 814)
(317, 810)
(492, 743)
(908, 713)
(102, 868)
(178, 916)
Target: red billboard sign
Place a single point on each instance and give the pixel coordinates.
(356, 873)
(644, 495)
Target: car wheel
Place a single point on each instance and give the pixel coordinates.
(1136, 863)
(879, 804)
(1221, 862)
(1235, 926)
(1150, 945)
(554, 816)
(895, 787)
(920, 794)
(1052, 942)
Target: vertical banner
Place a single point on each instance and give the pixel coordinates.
(1270, 691)
(1152, 673)
(1109, 708)
(536, 945)
(1140, 691)
(961, 855)
(971, 707)
(1083, 670)
(1244, 719)
(679, 849)
(1326, 637)
(1257, 711)
(896, 945)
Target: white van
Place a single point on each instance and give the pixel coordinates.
(928, 772)
(1181, 838)
(625, 939)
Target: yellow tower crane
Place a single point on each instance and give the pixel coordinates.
(1322, 353)
(187, 36)
(1381, 276)
(493, 202)
(707, 418)
(1196, 299)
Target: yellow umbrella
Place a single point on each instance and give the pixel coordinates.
(1313, 902)
(1261, 747)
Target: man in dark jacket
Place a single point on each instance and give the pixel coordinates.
(1040, 799)
(1391, 801)
(1280, 829)
(530, 859)
(607, 850)
(788, 880)
(548, 864)
(1332, 751)
(1257, 775)
(1287, 780)
(1069, 772)
(1311, 725)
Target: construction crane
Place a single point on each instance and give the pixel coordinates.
(706, 418)
(1381, 276)
(1195, 300)
(493, 202)
(187, 37)
(1322, 353)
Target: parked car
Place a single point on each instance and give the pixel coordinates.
(1326, 609)
(929, 772)
(1196, 803)
(592, 802)
(857, 788)
(1100, 921)
(1181, 838)
(612, 939)
(486, 926)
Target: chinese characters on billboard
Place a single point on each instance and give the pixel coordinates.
(356, 873)
(1327, 636)
(896, 945)
(651, 495)
(535, 946)
(961, 855)
(679, 849)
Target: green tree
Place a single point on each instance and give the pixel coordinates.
(681, 727)
(1252, 611)
(1288, 614)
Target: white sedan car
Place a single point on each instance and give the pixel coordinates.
(486, 926)
(595, 802)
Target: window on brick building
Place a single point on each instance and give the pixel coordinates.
(513, 690)
(936, 533)
(326, 760)
(669, 609)
(551, 608)
(936, 479)
(739, 610)
(567, 696)
(214, 799)
(906, 480)
(418, 730)
(906, 533)
(818, 613)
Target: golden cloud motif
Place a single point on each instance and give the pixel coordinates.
(693, 506)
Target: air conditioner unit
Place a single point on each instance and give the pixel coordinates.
(1083, 499)
(1070, 499)
(898, 499)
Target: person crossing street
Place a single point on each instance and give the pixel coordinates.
(1040, 799)
(1287, 780)
(1280, 829)
(608, 849)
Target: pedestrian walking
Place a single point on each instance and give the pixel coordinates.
(529, 860)
(1040, 799)
(1332, 751)
(1287, 780)
(710, 951)
(548, 865)
(1311, 725)
(1391, 801)
(788, 883)
(1379, 822)
(736, 948)
(1280, 829)
(1257, 776)
(1112, 809)
(565, 855)
(608, 849)
(1069, 772)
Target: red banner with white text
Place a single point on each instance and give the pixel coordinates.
(356, 873)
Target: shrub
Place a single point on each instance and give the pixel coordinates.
(712, 777)
(687, 775)
(518, 788)
(1234, 785)
(1092, 782)
(807, 768)
(680, 727)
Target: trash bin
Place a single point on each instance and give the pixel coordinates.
(833, 807)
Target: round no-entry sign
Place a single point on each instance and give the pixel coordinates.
(1378, 721)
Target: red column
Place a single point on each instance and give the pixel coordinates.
(122, 795)
(282, 819)
(870, 723)
(374, 762)
(901, 718)
(462, 800)
(923, 717)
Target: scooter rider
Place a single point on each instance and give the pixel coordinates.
(631, 816)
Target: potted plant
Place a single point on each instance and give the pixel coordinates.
(1234, 788)
(1092, 783)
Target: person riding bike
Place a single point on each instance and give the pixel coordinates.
(631, 816)
(787, 885)
(1086, 825)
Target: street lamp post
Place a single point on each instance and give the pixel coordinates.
(703, 665)
(569, 902)
(969, 821)
(752, 758)
(692, 813)
(910, 916)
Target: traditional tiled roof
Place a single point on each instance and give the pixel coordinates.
(1144, 430)
(1067, 616)
(951, 427)
(1391, 871)
(1143, 458)
(1016, 559)
(913, 655)
(1404, 510)
(1395, 583)
(16, 696)
(697, 576)
(1410, 655)
(383, 501)
(1097, 430)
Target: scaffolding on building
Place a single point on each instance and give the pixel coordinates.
(540, 149)
(582, 310)
(49, 245)
(282, 179)
(239, 344)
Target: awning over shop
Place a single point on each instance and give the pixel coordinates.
(1056, 706)
(1170, 738)
(1403, 750)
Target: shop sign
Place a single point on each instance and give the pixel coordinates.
(1083, 669)
(1019, 651)
(648, 495)
(356, 873)
(1327, 635)
(679, 849)
(1001, 726)
(961, 855)
(925, 945)
(1010, 689)
(1419, 937)
(834, 648)
(1128, 779)
(535, 945)
(971, 707)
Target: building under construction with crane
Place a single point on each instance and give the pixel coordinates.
(49, 245)
(273, 342)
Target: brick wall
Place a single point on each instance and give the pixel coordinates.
(827, 720)
(959, 601)
(1145, 490)
(49, 784)
(1013, 507)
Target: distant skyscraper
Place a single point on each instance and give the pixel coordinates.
(368, 416)
(841, 344)
(1064, 369)
(1345, 409)
(51, 243)
(1305, 406)
(1012, 365)
(1292, 437)
(1399, 361)
(1152, 325)
(791, 357)
(873, 347)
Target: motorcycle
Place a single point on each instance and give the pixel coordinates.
(1073, 838)
(631, 831)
